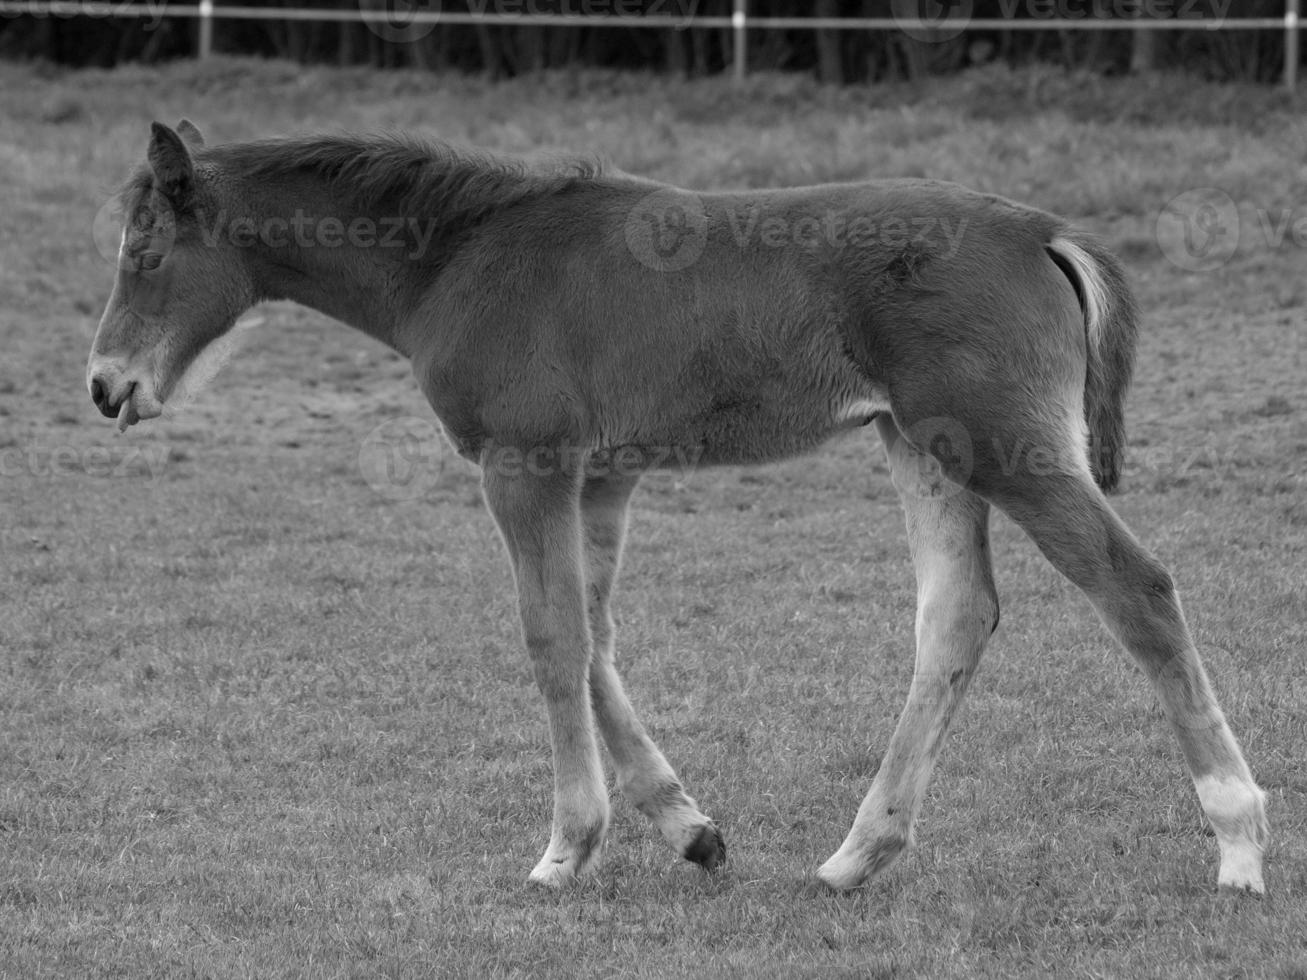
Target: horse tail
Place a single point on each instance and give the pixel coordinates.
(1111, 331)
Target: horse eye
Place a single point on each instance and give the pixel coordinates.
(150, 261)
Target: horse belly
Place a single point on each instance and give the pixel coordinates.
(771, 423)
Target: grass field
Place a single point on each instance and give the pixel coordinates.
(259, 719)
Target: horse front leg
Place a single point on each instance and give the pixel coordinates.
(643, 774)
(957, 610)
(539, 518)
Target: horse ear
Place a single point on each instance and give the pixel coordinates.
(171, 163)
(190, 134)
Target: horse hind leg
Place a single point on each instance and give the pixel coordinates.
(957, 610)
(1071, 522)
(643, 774)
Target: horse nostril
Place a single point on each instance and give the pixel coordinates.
(100, 395)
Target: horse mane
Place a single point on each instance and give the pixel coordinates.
(411, 176)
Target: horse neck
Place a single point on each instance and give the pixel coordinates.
(307, 245)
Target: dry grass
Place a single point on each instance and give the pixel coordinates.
(258, 720)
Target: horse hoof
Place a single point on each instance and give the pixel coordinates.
(849, 868)
(553, 874)
(1242, 881)
(563, 864)
(841, 873)
(707, 849)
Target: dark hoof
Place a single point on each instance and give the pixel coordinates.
(708, 849)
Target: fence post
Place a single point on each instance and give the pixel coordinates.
(739, 20)
(1291, 44)
(206, 28)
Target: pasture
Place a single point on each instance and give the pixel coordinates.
(263, 713)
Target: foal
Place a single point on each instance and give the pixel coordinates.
(573, 327)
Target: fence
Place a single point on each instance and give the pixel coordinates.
(739, 22)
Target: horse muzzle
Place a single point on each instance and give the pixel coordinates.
(120, 396)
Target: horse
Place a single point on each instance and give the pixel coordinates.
(574, 327)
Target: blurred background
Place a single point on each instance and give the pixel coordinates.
(836, 56)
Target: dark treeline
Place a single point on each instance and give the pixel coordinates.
(835, 56)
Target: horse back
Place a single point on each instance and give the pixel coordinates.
(754, 327)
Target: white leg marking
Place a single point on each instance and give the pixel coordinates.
(956, 611)
(1237, 811)
(563, 863)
